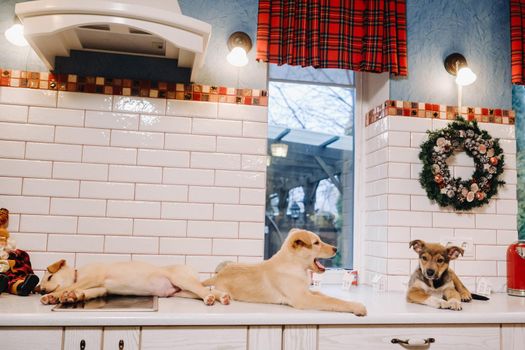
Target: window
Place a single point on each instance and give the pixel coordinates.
(310, 157)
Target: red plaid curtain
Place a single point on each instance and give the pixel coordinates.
(361, 35)
(517, 41)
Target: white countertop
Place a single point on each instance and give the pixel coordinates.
(383, 308)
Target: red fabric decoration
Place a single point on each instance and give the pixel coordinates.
(361, 35)
(517, 41)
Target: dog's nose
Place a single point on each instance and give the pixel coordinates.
(430, 272)
(334, 249)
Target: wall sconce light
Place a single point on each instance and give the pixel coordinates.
(239, 44)
(456, 64)
(15, 34)
(279, 150)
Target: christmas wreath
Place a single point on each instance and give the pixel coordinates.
(435, 177)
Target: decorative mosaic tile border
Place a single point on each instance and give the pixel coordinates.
(437, 111)
(130, 87)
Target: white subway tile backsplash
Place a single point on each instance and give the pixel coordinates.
(188, 211)
(48, 224)
(188, 176)
(242, 112)
(11, 185)
(12, 149)
(207, 263)
(25, 204)
(109, 155)
(41, 260)
(430, 234)
(252, 230)
(53, 151)
(241, 145)
(138, 245)
(398, 138)
(52, 188)
(82, 136)
(240, 179)
(27, 132)
(141, 105)
(252, 196)
(192, 109)
(454, 220)
(80, 171)
(253, 163)
(160, 260)
(500, 221)
(133, 209)
(168, 193)
(31, 241)
(106, 190)
(105, 226)
(202, 194)
(217, 127)
(409, 218)
(183, 142)
(112, 120)
(247, 247)
(201, 160)
(56, 116)
(476, 268)
(131, 173)
(213, 229)
(479, 236)
(13, 113)
(255, 129)
(85, 207)
(231, 212)
(165, 124)
(491, 252)
(197, 246)
(80, 100)
(507, 207)
(179, 159)
(507, 237)
(75, 243)
(32, 97)
(172, 228)
(84, 259)
(138, 139)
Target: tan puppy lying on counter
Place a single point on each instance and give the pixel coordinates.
(434, 283)
(284, 278)
(64, 284)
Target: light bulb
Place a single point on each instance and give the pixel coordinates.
(279, 150)
(465, 76)
(15, 35)
(237, 57)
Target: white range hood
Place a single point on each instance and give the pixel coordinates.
(154, 28)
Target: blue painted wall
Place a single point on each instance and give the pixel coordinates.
(225, 16)
(518, 104)
(479, 29)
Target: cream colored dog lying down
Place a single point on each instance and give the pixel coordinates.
(284, 279)
(64, 284)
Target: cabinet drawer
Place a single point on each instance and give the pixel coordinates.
(186, 338)
(42, 338)
(121, 338)
(453, 337)
(88, 338)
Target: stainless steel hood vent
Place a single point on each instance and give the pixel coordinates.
(154, 28)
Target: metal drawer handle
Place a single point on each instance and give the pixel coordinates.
(416, 342)
(82, 344)
(121, 344)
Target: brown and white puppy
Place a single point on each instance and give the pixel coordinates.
(284, 278)
(64, 284)
(434, 283)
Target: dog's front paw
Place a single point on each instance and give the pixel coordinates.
(70, 297)
(209, 299)
(452, 304)
(359, 309)
(465, 296)
(49, 299)
(225, 299)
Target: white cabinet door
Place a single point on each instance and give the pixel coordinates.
(83, 338)
(121, 338)
(41, 338)
(192, 338)
(265, 337)
(512, 336)
(300, 338)
(449, 337)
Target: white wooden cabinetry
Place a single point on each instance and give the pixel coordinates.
(512, 337)
(42, 338)
(265, 337)
(83, 338)
(121, 338)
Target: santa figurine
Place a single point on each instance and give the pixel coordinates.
(16, 274)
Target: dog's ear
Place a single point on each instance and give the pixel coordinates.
(54, 267)
(300, 239)
(417, 245)
(454, 252)
(300, 243)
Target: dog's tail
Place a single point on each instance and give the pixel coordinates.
(479, 297)
(211, 281)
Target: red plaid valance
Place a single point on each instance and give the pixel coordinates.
(361, 35)
(517, 40)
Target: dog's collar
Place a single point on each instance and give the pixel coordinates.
(76, 274)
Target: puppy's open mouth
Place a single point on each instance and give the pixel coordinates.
(319, 268)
